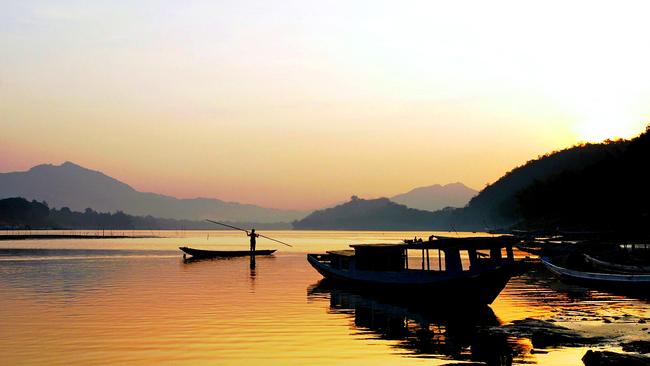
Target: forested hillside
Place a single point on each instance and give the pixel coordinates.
(19, 213)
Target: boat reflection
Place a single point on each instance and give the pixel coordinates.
(424, 329)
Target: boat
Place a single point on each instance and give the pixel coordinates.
(606, 266)
(201, 253)
(558, 268)
(385, 268)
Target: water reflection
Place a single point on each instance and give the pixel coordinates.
(65, 272)
(424, 329)
(541, 287)
(97, 305)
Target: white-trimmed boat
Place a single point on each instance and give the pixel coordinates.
(385, 268)
(616, 267)
(601, 278)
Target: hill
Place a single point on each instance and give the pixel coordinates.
(610, 194)
(361, 214)
(499, 204)
(436, 197)
(597, 187)
(73, 186)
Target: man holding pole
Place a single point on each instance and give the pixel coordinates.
(251, 234)
(253, 238)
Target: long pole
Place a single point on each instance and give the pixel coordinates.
(238, 228)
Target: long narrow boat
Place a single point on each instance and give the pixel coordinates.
(201, 253)
(384, 268)
(616, 267)
(597, 277)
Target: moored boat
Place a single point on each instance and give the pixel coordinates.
(201, 253)
(558, 267)
(385, 268)
(616, 267)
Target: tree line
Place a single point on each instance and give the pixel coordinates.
(19, 213)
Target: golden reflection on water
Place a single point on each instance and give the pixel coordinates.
(142, 304)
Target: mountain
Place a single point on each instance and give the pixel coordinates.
(609, 194)
(499, 205)
(362, 214)
(73, 186)
(593, 187)
(436, 197)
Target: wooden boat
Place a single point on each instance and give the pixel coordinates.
(384, 267)
(595, 277)
(616, 267)
(200, 253)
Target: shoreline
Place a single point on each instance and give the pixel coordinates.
(70, 236)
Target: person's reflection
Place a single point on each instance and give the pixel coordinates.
(252, 273)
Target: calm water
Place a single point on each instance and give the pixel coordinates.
(134, 301)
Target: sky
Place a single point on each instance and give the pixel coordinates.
(301, 104)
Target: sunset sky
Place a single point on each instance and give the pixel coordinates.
(300, 104)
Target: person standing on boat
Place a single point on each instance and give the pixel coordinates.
(253, 238)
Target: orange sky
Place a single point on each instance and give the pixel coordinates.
(300, 104)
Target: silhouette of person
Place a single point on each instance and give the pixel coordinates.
(253, 238)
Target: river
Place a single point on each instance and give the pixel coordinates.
(135, 301)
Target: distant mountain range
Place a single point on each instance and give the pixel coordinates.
(587, 187)
(73, 186)
(70, 185)
(436, 197)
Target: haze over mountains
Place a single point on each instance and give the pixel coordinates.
(587, 187)
(70, 185)
(436, 197)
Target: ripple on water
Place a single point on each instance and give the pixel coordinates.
(142, 307)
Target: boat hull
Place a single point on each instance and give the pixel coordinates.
(199, 253)
(615, 267)
(461, 288)
(609, 279)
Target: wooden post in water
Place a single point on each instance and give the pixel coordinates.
(428, 264)
(406, 258)
(423, 257)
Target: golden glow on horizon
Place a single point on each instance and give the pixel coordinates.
(303, 104)
(601, 128)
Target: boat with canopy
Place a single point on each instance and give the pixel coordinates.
(385, 267)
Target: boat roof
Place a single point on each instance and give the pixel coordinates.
(343, 253)
(379, 245)
(474, 242)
